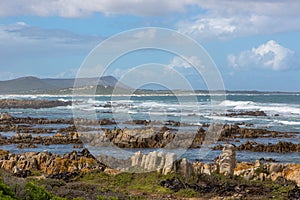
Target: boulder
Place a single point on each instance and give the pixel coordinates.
(185, 168)
(227, 160)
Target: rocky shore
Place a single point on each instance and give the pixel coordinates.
(35, 104)
(49, 164)
(226, 177)
(28, 131)
(280, 147)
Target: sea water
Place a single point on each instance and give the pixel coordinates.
(283, 114)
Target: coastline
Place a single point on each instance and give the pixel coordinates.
(184, 179)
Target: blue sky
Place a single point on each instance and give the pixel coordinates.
(255, 44)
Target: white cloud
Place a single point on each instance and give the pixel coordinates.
(147, 34)
(270, 55)
(79, 8)
(26, 49)
(228, 19)
(219, 19)
(193, 61)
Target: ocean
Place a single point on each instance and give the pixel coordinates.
(282, 110)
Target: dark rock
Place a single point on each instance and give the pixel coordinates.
(36, 104)
(66, 176)
(294, 193)
(249, 113)
(173, 184)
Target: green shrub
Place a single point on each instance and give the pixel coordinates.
(5, 192)
(34, 192)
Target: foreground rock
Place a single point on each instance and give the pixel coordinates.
(227, 160)
(273, 171)
(161, 162)
(48, 163)
(36, 104)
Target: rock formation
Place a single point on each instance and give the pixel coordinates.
(49, 163)
(162, 162)
(227, 160)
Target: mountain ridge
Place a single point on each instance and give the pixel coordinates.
(34, 84)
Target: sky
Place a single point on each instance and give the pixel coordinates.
(254, 44)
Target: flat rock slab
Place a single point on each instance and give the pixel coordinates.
(35, 104)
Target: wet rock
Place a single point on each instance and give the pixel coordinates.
(249, 113)
(280, 147)
(234, 131)
(267, 160)
(227, 160)
(35, 104)
(23, 146)
(130, 138)
(25, 140)
(172, 123)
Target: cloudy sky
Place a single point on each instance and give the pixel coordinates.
(255, 44)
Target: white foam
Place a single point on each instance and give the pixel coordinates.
(63, 100)
(272, 108)
(287, 122)
(281, 109)
(224, 118)
(236, 103)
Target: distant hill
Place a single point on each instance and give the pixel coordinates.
(24, 84)
(30, 84)
(103, 85)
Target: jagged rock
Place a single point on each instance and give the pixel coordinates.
(292, 172)
(129, 138)
(170, 158)
(5, 116)
(154, 161)
(227, 160)
(50, 163)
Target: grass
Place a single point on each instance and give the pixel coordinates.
(124, 182)
(138, 186)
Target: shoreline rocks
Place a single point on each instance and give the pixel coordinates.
(26, 140)
(280, 147)
(35, 104)
(49, 163)
(248, 113)
(74, 163)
